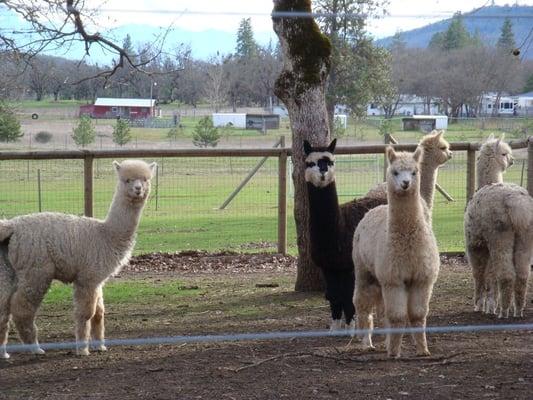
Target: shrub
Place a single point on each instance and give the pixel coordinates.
(43, 137)
(84, 133)
(174, 132)
(9, 124)
(121, 132)
(205, 134)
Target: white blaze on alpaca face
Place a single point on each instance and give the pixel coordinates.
(402, 174)
(320, 168)
(135, 178)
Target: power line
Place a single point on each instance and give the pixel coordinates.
(180, 339)
(302, 14)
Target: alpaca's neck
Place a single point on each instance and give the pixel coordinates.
(323, 210)
(123, 216)
(488, 173)
(405, 212)
(428, 178)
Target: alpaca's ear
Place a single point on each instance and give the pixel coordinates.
(496, 144)
(308, 149)
(391, 154)
(116, 164)
(439, 134)
(491, 136)
(153, 168)
(502, 137)
(331, 147)
(417, 154)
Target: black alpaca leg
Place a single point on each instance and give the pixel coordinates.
(348, 286)
(333, 295)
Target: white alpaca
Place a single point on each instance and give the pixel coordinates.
(396, 257)
(495, 156)
(499, 243)
(85, 251)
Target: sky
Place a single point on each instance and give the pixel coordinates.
(199, 15)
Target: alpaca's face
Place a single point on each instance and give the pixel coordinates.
(319, 165)
(436, 148)
(503, 154)
(135, 177)
(403, 172)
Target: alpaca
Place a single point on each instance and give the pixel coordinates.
(495, 156)
(499, 242)
(436, 153)
(79, 250)
(396, 257)
(331, 230)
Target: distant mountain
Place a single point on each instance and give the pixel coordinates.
(486, 21)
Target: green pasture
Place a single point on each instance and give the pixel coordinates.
(183, 210)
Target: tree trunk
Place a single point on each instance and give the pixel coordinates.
(301, 87)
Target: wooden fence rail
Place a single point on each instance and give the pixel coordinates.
(282, 153)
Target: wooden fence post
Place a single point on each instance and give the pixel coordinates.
(470, 174)
(530, 165)
(88, 185)
(282, 199)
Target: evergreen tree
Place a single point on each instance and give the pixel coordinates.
(398, 43)
(455, 37)
(121, 132)
(506, 40)
(84, 133)
(246, 44)
(9, 125)
(205, 134)
(529, 84)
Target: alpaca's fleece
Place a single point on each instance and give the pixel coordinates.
(85, 251)
(499, 245)
(495, 156)
(395, 256)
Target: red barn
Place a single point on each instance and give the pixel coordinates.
(124, 108)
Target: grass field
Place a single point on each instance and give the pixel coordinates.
(183, 212)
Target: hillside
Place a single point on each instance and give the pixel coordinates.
(487, 21)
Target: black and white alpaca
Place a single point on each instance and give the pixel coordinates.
(331, 230)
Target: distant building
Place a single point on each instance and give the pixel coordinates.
(488, 104)
(123, 108)
(425, 123)
(524, 104)
(246, 121)
(408, 105)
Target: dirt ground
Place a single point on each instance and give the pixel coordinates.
(462, 365)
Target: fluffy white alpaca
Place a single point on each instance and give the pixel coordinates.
(396, 257)
(85, 251)
(495, 156)
(499, 243)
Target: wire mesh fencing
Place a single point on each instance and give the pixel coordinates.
(220, 202)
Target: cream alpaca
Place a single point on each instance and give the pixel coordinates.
(499, 238)
(495, 156)
(85, 251)
(396, 257)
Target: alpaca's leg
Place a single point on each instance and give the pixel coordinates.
(417, 310)
(85, 307)
(333, 295)
(522, 259)
(395, 302)
(347, 300)
(478, 258)
(24, 304)
(6, 289)
(364, 306)
(501, 262)
(97, 321)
